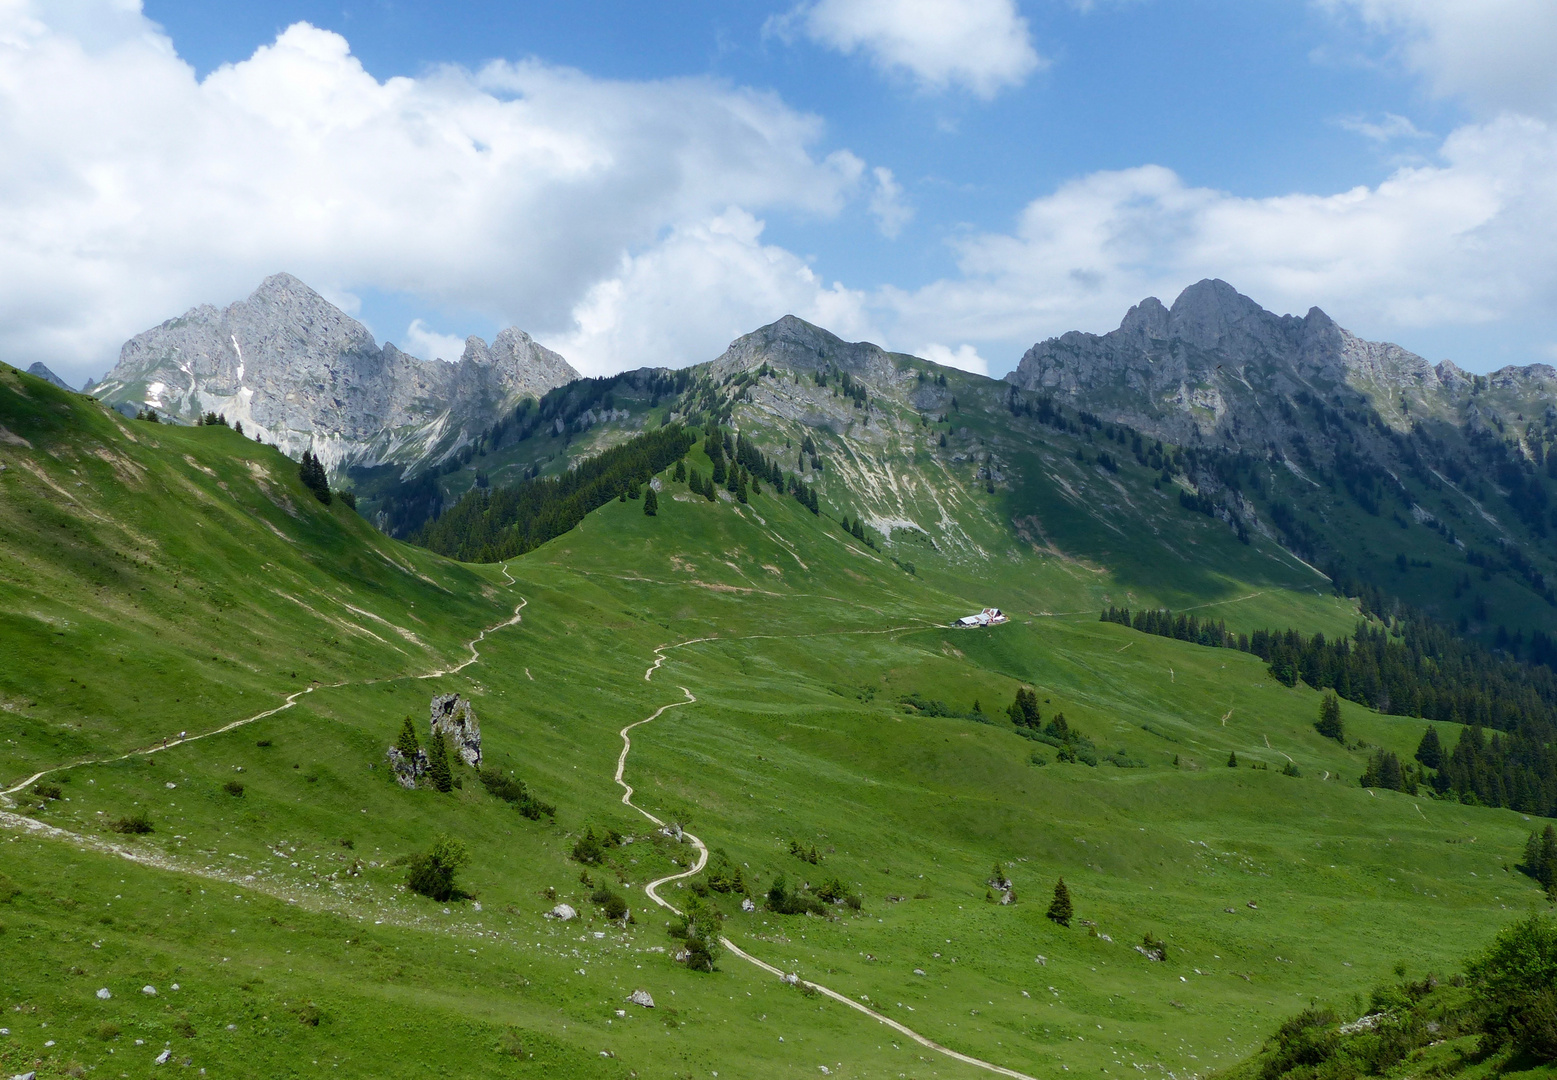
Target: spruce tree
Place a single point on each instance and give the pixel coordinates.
(1059, 909)
(407, 743)
(1232, 760)
(651, 503)
(1329, 722)
(1430, 751)
(439, 775)
(1546, 866)
(858, 530)
(681, 471)
(740, 486)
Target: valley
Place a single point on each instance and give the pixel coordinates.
(162, 579)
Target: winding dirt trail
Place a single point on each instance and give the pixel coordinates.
(287, 703)
(651, 889)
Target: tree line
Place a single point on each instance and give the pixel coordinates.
(488, 525)
(1416, 667)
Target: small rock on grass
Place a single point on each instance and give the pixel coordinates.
(563, 912)
(103, 994)
(641, 997)
(162, 1058)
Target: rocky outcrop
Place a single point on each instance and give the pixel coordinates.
(303, 374)
(641, 997)
(454, 718)
(408, 768)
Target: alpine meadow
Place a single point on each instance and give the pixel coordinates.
(639, 726)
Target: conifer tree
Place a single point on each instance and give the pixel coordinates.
(1546, 862)
(1060, 909)
(1232, 760)
(407, 743)
(1430, 751)
(1329, 722)
(651, 503)
(681, 471)
(1024, 710)
(439, 775)
(857, 530)
(740, 486)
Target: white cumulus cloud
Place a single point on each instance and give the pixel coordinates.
(423, 341)
(965, 357)
(1498, 54)
(983, 46)
(130, 189)
(718, 269)
(887, 205)
(1469, 240)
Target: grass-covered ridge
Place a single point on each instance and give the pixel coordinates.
(800, 644)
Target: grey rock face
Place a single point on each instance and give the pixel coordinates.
(453, 716)
(1218, 365)
(794, 343)
(42, 372)
(641, 997)
(408, 768)
(299, 371)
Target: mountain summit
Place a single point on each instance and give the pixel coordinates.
(295, 368)
(1218, 364)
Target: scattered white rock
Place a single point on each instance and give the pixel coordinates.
(170, 785)
(103, 994)
(25, 1076)
(563, 912)
(149, 991)
(232, 1027)
(1363, 1023)
(641, 997)
(918, 971)
(1041, 961)
(621, 1013)
(791, 978)
(162, 1058)
(747, 905)
(175, 986)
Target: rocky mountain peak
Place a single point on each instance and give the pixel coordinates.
(793, 343)
(300, 372)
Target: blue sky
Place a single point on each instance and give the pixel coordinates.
(640, 183)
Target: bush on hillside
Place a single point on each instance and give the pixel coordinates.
(699, 927)
(590, 848)
(782, 900)
(431, 873)
(723, 875)
(512, 790)
(615, 906)
(136, 824)
(233, 788)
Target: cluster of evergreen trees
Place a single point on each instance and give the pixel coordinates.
(1164, 623)
(311, 472)
(1540, 860)
(1416, 668)
(488, 525)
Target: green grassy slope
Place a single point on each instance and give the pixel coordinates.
(154, 578)
(255, 905)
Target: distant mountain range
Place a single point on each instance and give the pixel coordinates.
(295, 369)
(1360, 458)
